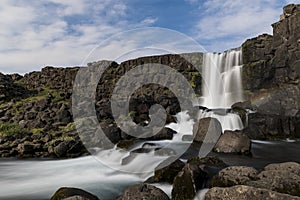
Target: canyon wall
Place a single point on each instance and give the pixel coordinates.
(271, 78)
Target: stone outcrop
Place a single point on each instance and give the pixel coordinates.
(41, 103)
(271, 78)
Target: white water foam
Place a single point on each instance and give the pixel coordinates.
(229, 121)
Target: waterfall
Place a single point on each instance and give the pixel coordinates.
(222, 84)
(222, 87)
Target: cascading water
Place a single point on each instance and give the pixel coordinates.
(222, 87)
(222, 84)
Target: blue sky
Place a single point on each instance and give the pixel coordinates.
(34, 34)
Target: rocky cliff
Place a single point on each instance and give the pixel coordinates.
(271, 78)
(38, 106)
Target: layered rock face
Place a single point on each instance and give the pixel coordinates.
(39, 105)
(271, 78)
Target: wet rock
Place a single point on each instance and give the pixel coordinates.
(65, 193)
(168, 173)
(143, 191)
(164, 134)
(111, 131)
(233, 142)
(188, 181)
(242, 192)
(209, 127)
(61, 149)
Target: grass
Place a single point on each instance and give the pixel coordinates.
(37, 130)
(70, 127)
(11, 129)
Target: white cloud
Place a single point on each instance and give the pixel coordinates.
(292, 1)
(57, 32)
(149, 21)
(228, 21)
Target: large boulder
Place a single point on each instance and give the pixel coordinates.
(235, 175)
(168, 173)
(292, 167)
(187, 182)
(233, 142)
(208, 129)
(242, 192)
(66, 193)
(282, 177)
(143, 191)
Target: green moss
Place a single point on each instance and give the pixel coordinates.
(11, 129)
(36, 130)
(62, 138)
(132, 113)
(70, 127)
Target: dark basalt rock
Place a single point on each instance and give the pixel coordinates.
(242, 192)
(233, 142)
(188, 181)
(235, 175)
(143, 191)
(65, 193)
(210, 127)
(167, 174)
(195, 175)
(10, 90)
(282, 177)
(279, 177)
(271, 78)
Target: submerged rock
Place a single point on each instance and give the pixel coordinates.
(65, 193)
(143, 191)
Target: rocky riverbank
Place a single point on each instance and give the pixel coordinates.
(275, 181)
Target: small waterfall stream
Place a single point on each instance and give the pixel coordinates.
(222, 87)
(222, 84)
